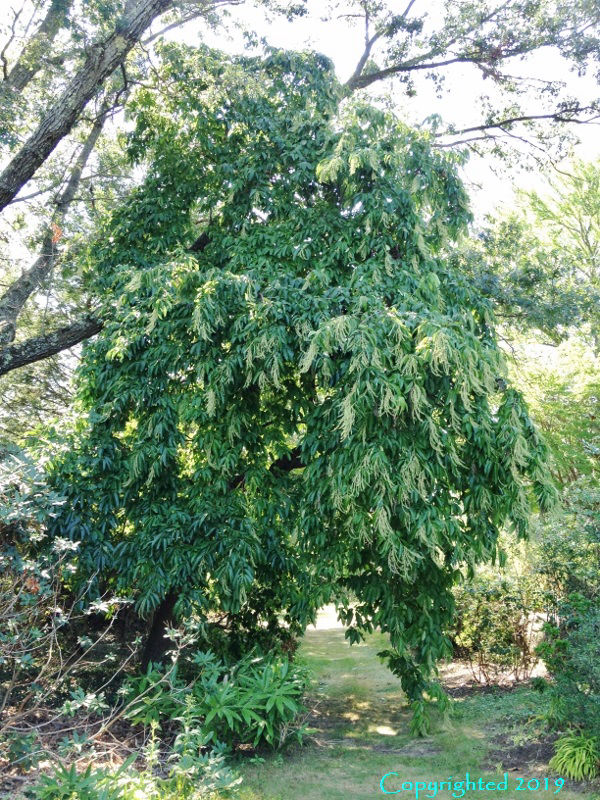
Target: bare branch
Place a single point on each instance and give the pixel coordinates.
(32, 56)
(11, 38)
(178, 23)
(369, 42)
(39, 347)
(102, 59)
(424, 60)
(562, 115)
(13, 300)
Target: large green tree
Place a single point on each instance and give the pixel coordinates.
(295, 398)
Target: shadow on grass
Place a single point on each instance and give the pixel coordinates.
(358, 730)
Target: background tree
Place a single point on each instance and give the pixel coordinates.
(540, 264)
(563, 394)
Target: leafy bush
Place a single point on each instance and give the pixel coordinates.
(256, 701)
(577, 756)
(496, 625)
(569, 561)
(571, 652)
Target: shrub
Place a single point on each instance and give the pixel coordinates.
(496, 623)
(569, 560)
(256, 701)
(571, 652)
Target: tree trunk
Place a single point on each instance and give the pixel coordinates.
(40, 347)
(157, 643)
(38, 47)
(103, 58)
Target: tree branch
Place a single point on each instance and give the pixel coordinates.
(563, 115)
(362, 81)
(13, 300)
(39, 347)
(102, 59)
(8, 43)
(31, 57)
(369, 42)
(286, 463)
(479, 56)
(177, 24)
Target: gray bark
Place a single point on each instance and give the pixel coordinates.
(40, 347)
(103, 58)
(15, 297)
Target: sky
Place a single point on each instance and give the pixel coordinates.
(491, 184)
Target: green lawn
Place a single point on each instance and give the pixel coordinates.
(359, 732)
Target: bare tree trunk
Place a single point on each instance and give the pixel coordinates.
(38, 47)
(103, 58)
(15, 297)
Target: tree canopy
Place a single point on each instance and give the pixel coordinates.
(295, 398)
(68, 70)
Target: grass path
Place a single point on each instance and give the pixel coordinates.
(359, 732)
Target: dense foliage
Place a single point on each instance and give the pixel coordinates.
(570, 563)
(297, 395)
(295, 399)
(497, 626)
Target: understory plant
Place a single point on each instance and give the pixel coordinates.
(577, 756)
(191, 772)
(256, 701)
